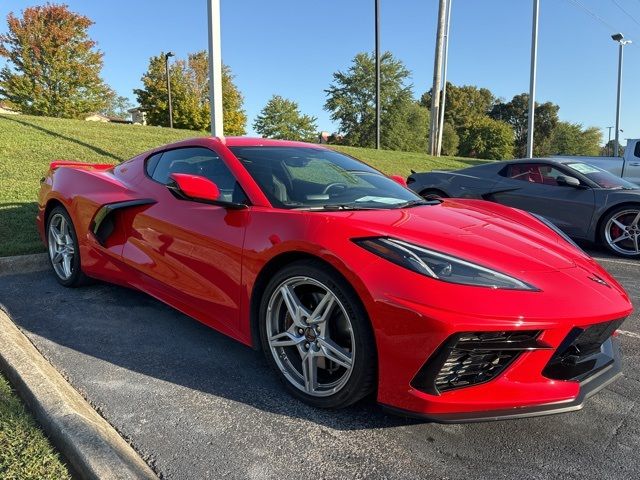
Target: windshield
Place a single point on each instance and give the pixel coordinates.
(601, 177)
(306, 177)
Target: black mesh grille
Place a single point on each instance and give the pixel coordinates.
(471, 358)
(580, 354)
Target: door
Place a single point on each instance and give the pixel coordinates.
(632, 165)
(534, 187)
(191, 252)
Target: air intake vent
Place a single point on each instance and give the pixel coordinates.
(582, 353)
(472, 358)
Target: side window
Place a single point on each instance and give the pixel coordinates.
(637, 150)
(541, 173)
(152, 163)
(198, 161)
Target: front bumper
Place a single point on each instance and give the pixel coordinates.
(591, 385)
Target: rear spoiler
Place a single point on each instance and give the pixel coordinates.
(66, 163)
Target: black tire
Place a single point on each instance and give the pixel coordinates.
(433, 194)
(77, 277)
(362, 379)
(625, 248)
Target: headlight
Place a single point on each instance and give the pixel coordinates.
(439, 265)
(553, 227)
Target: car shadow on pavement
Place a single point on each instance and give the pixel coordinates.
(88, 326)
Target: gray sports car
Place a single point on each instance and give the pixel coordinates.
(584, 201)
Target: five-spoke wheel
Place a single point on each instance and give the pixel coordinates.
(621, 231)
(316, 335)
(62, 244)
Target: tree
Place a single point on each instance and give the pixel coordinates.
(570, 139)
(53, 67)
(487, 138)
(281, 118)
(117, 106)
(609, 147)
(189, 95)
(463, 103)
(351, 101)
(450, 140)
(515, 114)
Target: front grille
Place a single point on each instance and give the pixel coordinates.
(472, 358)
(582, 353)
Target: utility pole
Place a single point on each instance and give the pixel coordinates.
(377, 42)
(618, 37)
(215, 69)
(444, 80)
(166, 69)
(437, 72)
(609, 142)
(532, 80)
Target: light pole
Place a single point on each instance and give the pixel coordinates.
(215, 69)
(609, 142)
(445, 64)
(166, 68)
(618, 37)
(532, 80)
(437, 80)
(377, 43)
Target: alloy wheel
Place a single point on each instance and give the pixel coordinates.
(61, 246)
(622, 232)
(310, 336)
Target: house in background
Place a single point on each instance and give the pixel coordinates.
(7, 110)
(99, 117)
(138, 116)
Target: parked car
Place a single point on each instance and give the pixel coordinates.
(627, 167)
(584, 201)
(350, 283)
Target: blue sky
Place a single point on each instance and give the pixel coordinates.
(291, 47)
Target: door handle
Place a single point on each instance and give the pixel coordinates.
(634, 164)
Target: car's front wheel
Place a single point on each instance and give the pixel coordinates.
(63, 249)
(317, 336)
(620, 231)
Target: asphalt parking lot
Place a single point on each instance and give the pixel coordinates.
(198, 405)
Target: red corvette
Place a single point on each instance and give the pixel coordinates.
(454, 310)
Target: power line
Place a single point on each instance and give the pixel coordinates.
(626, 12)
(592, 14)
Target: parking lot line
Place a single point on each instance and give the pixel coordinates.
(621, 262)
(629, 334)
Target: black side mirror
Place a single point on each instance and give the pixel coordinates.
(568, 181)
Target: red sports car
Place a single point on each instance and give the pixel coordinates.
(453, 310)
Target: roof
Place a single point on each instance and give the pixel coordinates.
(266, 142)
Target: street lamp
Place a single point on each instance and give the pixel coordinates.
(618, 37)
(166, 67)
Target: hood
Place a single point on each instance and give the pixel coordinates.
(488, 234)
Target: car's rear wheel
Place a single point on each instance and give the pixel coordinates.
(62, 245)
(433, 194)
(620, 231)
(316, 335)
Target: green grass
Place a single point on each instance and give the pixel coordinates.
(28, 144)
(25, 453)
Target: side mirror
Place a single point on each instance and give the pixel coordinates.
(399, 179)
(568, 181)
(198, 189)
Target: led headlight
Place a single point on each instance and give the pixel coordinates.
(553, 227)
(439, 265)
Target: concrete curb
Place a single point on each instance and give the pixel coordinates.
(88, 441)
(24, 263)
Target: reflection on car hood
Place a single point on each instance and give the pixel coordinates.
(486, 233)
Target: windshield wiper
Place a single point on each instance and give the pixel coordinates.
(417, 203)
(347, 206)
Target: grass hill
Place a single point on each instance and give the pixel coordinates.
(28, 144)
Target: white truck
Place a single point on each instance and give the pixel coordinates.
(627, 167)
